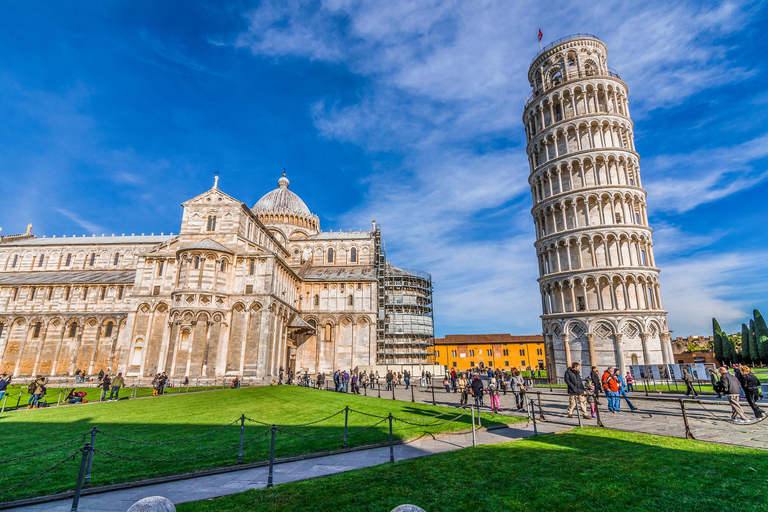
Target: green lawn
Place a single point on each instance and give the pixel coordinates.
(584, 469)
(189, 415)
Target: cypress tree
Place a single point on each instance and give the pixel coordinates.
(729, 353)
(718, 340)
(761, 334)
(753, 342)
(746, 355)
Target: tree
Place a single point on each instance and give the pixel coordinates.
(746, 355)
(761, 333)
(718, 340)
(753, 342)
(729, 352)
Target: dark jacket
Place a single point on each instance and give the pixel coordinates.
(477, 387)
(595, 378)
(573, 380)
(750, 381)
(730, 384)
(739, 376)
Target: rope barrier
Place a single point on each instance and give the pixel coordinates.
(297, 425)
(431, 424)
(7, 461)
(156, 443)
(730, 420)
(307, 436)
(62, 461)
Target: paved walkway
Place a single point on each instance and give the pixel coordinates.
(206, 487)
(661, 417)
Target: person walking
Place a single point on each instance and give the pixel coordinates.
(630, 381)
(594, 377)
(576, 391)
(105, 384)
(591, 396)
(731, 388)
(454, 378)
(389, 380)
(688, 383)
(345, 379)
(117, 383)
(493, 393)
(162, 383)
(36, 391)
(463, 385)
(407, 378)
(623, 390)
(612, 385)
(155, 384)
(751, 390)
(477, 390)
(355, 388)
(518, 388)
(447, 384)
(4, 381)
(715, 383)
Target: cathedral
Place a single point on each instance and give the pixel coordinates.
(238, 291)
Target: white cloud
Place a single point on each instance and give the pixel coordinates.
(90, 227)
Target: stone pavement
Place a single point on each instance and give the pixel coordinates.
(207, 487)
(659, 417)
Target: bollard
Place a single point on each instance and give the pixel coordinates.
(393, 390)
(271, 456)
(474, 435)
(346, 417)
(391, 441)
(646, 387)
(379, 385)
(433, 393)
(87, 480)
(413, 399)
(550, 385)
(365, 389)
(79, 487)
(242, 432)
(533, 415)
(18, 401)
(597, 412)
(578, 414)
(58, 401)
(541, 411)
(5, 399)
(688, 434)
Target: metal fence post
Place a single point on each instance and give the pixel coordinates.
(433, 393)
(597, 412)
(533, 415)
(58, 400)
(645, 384)
(391, 441)
(18, 401)
(474, 435)
(242, 432)
(688, 434)
(378, 384)
(393, 389)
(541, 411)
(5, 399)
(365, 389)
(413, 399)
(87, 480)
(79, 487)
(271, 456)
(579, 416)
(346, 417)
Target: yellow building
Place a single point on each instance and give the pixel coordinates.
(504, 351)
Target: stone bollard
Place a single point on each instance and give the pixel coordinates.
(407, 508)
(153, 504)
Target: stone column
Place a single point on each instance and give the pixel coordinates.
(567, 345)
(646, 357)
(666, 349)
(620, 353)
(591, 341)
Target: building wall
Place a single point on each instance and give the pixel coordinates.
(504, 355)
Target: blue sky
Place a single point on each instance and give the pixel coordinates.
(401, 111)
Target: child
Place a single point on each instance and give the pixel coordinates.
(591, 397)
(493, 392)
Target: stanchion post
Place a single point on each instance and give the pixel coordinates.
(578, 414)
(271, 456)
(541, 411)
(5, 399)
(550, 385)
(391, 441)
(18, 401)
(479, 418)
(474, 435)
(87, 480)
(433, 393)
(688, 434)
(413, 399)
(533, 415)
(378, 384)
(645, 383)
(346, 418)
(242, 433)
(393, 389)
(365, 390)
(597, 411)
(79, 487)
(58, 401)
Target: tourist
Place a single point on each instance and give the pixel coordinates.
(447, 384)
(477, 390)
(156, 385)
(612, 386)
(490, 373)
(688, 383)
(607, 373)
(101, 375)
(517, 387)
(407, 378)
(355, 389)
(493, 393)
(591, 396)
(630, 380)
(105, 385)
(751, 389)
(731, 388)
(36, 391)
(429, 378)
(117, 383)
(345, 379)
(389, 378)
(454, 378)
(78, 375)
(463, 386)
(320, 380)
(75, 397)
(236, 382)
(594, 377)
(576, 391)
(163, 382)
(623, 390)
(4, 381)
(740, 377)
(715, 384)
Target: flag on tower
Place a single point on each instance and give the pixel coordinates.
(540, 36)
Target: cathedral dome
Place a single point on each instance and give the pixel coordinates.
(281, 200)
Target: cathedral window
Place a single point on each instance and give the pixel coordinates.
(72, 329)
(359, 286)
(108, 330)
(15, 260)
(42, 259)
(353, 255)
(32, 293)
(317, 300)
(69, 260)
(197, 262)
(103, 292)
(36, 331)
(252, 267)
(351, 300)
(15, 293)
(2, 326)
(66, 293)
(328, 334)
(223, 265)
(93, 258)
(160, 267)
(117, 258)
(211, 223)
(50, 292)
(136, 356)
(120, 293)
(85, 292)
(330, 255)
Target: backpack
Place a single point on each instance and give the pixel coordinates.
(31, 388)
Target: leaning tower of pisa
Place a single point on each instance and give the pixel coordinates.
(598, 278)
